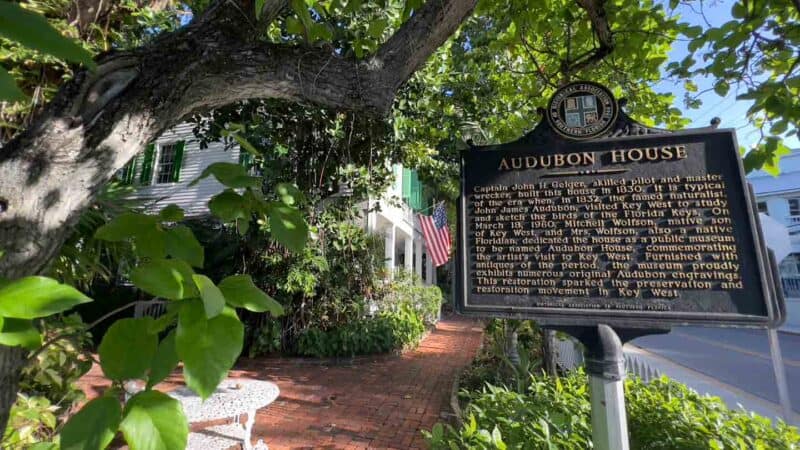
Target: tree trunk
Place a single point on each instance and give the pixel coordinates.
(99, 121)
(11, 362)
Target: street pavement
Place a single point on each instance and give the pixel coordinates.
(736, 357)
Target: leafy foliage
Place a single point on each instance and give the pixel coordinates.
(57, 368)
(94, 426)
(493, 364)
(486, 83)
(37, 70)
(32, 420)
(32, 30)
(757, 53)
(84, 259)
(388, 331)
(208, 337)
(555, 413)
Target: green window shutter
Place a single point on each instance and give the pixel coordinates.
(416, 191)
(245, 159)
(147, 165)
(177, 162)
(406, 184)
(130, 171)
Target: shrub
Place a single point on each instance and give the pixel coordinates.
(388, 331)
(263, 340)
(32, 420)
(408, 288)
(48, 385)
(555, 413)
(57, 368)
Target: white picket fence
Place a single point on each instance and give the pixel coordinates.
(569, 355)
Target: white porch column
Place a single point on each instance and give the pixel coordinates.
(418, 257)
(389, 250)
(371, 217)
(408, 260)
(430, 271)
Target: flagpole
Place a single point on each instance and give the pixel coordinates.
(430, 207)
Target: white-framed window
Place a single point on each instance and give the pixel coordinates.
(161, 163)
(762, 207)
(794, 206)
(167, 163)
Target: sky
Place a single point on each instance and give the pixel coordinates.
(732, 112)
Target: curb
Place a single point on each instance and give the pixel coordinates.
(455, 405)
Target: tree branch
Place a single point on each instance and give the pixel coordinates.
(411, 45)
(605, 37)
(98, 122)
(269, 12)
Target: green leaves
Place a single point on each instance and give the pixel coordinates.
(289, 194)
(231, 175)
(165, 278)
(171, 213)
(125, 226)
(32, 30)
(152, 239)
(8, 88)
(127, 349)
(208, 347)
(288, 226)
(229, 206)
(154, 421)
(213, 300)
(240, 292)
(34, 297)
(19, 332)
(259, 5)
(164, 362)
(94, 426)
(766, 156)
(181, 243)
(721, 88)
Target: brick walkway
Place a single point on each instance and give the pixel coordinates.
(376, 402)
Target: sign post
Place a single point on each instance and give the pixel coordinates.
(598, 226)
(605, 365)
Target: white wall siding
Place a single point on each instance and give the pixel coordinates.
(193, 199)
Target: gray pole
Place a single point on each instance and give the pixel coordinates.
(605, 364)
(780, 375)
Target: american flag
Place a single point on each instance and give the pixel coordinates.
(436, 234)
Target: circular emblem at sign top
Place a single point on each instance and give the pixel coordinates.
(582, 110)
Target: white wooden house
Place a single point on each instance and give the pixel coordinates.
(779, 198)
(163, 171)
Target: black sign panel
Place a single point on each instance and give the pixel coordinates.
(637, 231)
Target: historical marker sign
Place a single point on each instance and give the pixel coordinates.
(634, 231)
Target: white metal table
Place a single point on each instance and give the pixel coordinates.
(232, 398)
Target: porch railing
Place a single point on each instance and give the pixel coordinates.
(791, 285)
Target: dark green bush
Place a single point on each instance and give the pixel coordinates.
(385, 332)
(555, 414)
(408, 288)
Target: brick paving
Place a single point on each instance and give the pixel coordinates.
(370, 403)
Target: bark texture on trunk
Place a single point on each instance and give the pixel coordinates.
(11, 362)
(99, 121)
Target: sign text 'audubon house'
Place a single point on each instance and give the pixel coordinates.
(652, 227)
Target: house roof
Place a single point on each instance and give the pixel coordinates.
(788, 181)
